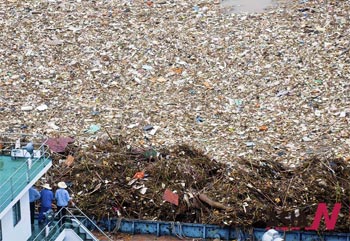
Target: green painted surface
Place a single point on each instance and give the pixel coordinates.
(15, 175)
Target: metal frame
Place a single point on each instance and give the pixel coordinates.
(12, 182)
(54, 228)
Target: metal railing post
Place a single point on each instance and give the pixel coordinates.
(12, 197)
(96, 226)
(28, 170)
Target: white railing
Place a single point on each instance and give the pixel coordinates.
(25, 172)
(85, 217)
(54, 228)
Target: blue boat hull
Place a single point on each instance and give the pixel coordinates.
(206, 231)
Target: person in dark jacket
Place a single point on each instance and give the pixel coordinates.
(46, 201)
(34, 195)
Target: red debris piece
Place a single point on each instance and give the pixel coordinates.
(69, 161)
(139, 175)
(59, 144)
(171, 197)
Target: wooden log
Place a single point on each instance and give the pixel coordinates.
(214, 204)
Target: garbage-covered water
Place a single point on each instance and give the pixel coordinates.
(248, 6)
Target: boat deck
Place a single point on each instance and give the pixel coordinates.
(16, 173)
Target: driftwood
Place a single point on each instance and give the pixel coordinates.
(214, 204)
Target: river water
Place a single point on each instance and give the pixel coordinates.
(248, 6)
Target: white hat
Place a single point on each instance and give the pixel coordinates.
(47, 186)
(62, 185)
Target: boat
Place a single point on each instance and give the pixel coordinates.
(20, 169)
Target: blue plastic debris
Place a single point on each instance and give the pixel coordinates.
(250, 144)
(238, 102)
(282, 93)
(147, 67)
(199, 119)
(95, 112)
(147, 128)
(93, 129)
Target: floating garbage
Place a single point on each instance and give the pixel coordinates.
(118, 64)
(207, 78)
(183, 184)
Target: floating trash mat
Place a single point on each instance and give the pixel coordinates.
(247, 6)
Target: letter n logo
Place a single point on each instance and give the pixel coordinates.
(329, 221)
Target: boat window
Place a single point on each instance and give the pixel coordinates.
(16, 211)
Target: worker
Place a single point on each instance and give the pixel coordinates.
(29, 148)
(62, 200)
(271, 235)
(34, 195)
(46, 201)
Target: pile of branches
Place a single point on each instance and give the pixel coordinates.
(113, 179)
